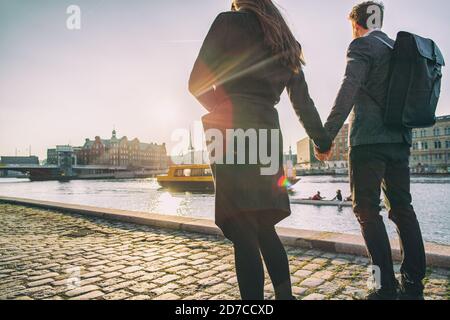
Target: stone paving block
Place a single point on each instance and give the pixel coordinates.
(40, 282)
(206, 274)
(118, 286)
(168, 296)
(117, 295)
(81, 290)
(354, 292)
(177, 269)
(299, 290)
(85, 282)
(89, 296)
(110, 275)
(187, 281)
(315, 296)
(210, 281)
(325, 275)
(91, 274)
(140, 298)
(312, 282)
(311, 267)
(222, 297)
(339, 261)
(302, 273)
(329, 288)
(320, 261)
(218, 288)
(33, 290)
(168, 288)
(23, 298)
(232, 280)
(198, 262)
(113, 268)
(131, 269)
(142, 287)
(166, 279)
(134, 275)
(43, 276)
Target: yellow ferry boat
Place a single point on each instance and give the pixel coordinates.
(199, 178)
(188, 177)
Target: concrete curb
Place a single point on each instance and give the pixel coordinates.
(437, 255)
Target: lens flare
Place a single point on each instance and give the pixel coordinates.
(284, 182)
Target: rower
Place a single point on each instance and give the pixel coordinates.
(317, 197)
(338, 196)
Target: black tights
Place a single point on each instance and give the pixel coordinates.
(251, 239)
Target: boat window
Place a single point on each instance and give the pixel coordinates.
(187, 172)
(208, 172)
(179, 173)
(197, 172)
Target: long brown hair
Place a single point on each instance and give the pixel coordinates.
(277, 34)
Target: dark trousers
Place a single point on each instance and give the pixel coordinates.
(251, 239)
(386, 167)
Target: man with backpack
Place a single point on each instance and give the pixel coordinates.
(379, 153)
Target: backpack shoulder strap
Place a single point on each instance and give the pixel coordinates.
(385, 42)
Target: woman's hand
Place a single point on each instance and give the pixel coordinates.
(323, 156)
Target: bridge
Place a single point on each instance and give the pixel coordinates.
(74, 172)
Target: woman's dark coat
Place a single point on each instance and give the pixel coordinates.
(239, 81)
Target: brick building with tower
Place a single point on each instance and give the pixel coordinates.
(123, 152)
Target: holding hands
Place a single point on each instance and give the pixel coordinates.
(323, 156)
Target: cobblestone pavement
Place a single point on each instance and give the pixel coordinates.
(49, 255)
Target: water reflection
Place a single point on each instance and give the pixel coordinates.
(430, 194)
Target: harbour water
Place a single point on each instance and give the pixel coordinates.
(431, 201)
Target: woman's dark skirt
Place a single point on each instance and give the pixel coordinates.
(242, 191)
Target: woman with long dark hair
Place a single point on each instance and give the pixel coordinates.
(247, 60)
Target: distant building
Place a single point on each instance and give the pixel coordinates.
(122, 152)
(61, 154)
(52, 157)
(307, 160)
(305, 155)
(431, 148)
(339, 159)
(32, 160)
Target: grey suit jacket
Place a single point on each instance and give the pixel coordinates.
(364, 90)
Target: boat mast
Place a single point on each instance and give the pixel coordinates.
(191, 150)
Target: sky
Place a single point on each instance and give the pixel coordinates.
(128, 66)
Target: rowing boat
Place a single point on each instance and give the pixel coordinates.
(326, 203)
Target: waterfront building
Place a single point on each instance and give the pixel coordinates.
(52, 157)
(305, 155)
(431, 148)
(62, 154)
(339, 161)
(123, 153)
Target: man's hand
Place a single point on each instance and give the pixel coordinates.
(323, 156)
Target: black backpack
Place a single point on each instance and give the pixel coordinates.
(415, 82)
